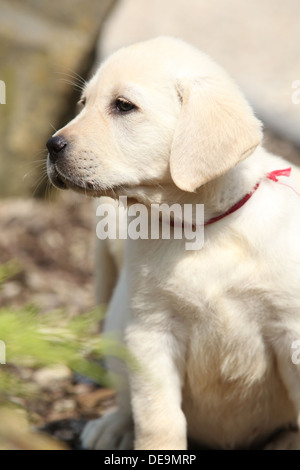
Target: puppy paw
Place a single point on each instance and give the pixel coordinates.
(287, 440)
(111, 432)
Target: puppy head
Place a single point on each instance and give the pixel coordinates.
(158, 112)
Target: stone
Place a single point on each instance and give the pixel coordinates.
(49, 377)
(44, 45)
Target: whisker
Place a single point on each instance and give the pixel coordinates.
(35, 163)
(73, 75)
(40, 153)
(75, 85)
(122, 187)
(53, 129)
(38, 184)
(160, 187)
(34, 166)
(30, 172)
(113, 191)
(49, 191)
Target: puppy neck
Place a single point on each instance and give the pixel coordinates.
(217, 196)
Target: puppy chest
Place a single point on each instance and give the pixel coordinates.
(223, 323)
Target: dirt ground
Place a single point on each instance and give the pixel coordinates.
(53, 243)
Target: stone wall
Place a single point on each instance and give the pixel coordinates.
(41, 44)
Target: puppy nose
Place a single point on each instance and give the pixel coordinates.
(56, 146)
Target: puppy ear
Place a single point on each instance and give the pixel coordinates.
(216, 130)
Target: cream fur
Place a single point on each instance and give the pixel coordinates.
(212, 329)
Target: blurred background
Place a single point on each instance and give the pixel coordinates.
(46, 50)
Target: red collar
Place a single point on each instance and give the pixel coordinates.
(273, 175)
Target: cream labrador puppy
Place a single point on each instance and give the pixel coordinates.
(213, 330)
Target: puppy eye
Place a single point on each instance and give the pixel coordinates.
(82, 102)
(124, 106)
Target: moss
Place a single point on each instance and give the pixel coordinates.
(35, 340)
